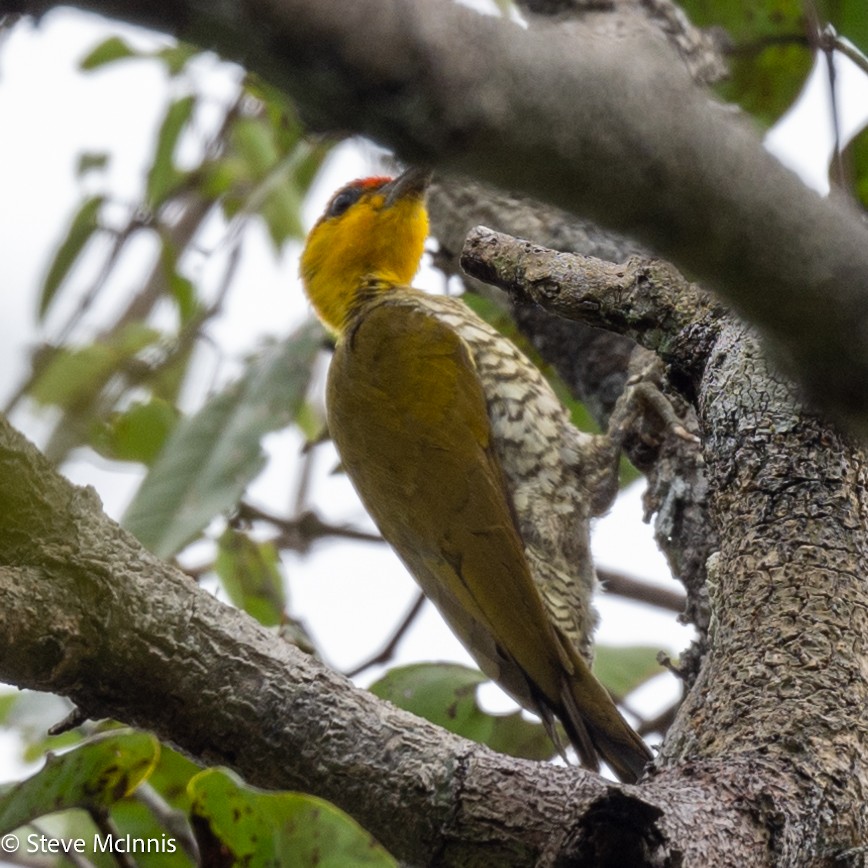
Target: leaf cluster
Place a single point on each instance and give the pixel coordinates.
(119, 794)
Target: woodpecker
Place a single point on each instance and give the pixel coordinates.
(468, 463)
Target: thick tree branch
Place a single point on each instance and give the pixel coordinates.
(789, 629)
(637, 146)
(645, 299)
(87, 613)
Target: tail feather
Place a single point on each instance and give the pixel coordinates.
(578, 735)
(596, 727)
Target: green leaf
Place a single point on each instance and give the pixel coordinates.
(94, 775)
(855, 161)
(184, 294)
(624, 668)
(212, 456)
(770, 57)
(167, 379)
(8, 700)
(307, 164)
(254, 142)
(218, 177)
(269, 176)
(237, 825)
(71, 377)
(164, 176)
(265, 171)
(310, 422)
(182, 289)
(83, 225)
(445, 694)
(138, 433)
(134, 817)
(282, 213)
(171, 777)
(280, 113)
(91, 161)
(177, 56)
(112, 49)
(277, 196)
(251, 576)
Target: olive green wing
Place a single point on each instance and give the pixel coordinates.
(409, 417)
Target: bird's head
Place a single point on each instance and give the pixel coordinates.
(372, 232)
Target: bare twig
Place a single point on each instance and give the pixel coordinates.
(75, 718)
(107, 828)
(385, 654)
(661, 722)
(298, 533)
(172, 820)
(644, 592)
(827, 40)
(306, 461)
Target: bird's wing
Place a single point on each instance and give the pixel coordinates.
(409, 417)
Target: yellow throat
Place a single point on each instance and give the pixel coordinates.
(371, 237)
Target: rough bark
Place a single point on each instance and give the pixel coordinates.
(637, 146)
(88, 614)
(774, 724)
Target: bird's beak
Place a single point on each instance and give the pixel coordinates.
(411, 183)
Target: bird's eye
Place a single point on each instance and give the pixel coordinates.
(342, 201)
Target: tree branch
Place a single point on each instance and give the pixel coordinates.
(87, 613)
(299, 533)
(766, 752)
(643, 592)
(385, 654)
(637, 147)
(644, 299)
(789, 605)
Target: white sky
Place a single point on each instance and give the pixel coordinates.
(350, 596)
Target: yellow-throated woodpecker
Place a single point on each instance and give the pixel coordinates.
(467, 462)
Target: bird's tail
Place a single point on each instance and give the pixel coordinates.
(596, 728)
